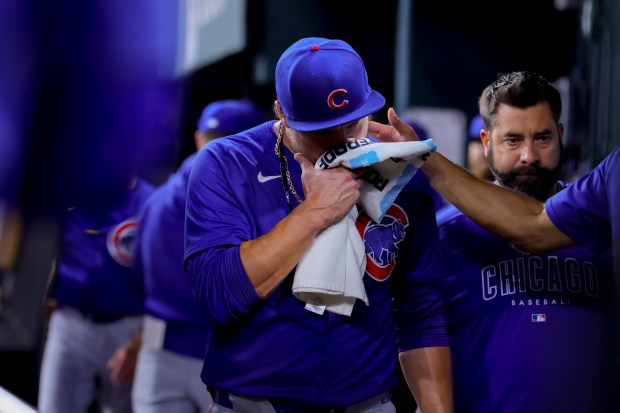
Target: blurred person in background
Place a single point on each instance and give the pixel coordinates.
(174, 330)
(83, 86)
(99, 302)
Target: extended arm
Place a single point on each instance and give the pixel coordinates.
(513, 216)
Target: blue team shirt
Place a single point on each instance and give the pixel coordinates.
(589, 210)
(95, 273)
(159, 256)
(274, 348)
(529, 333)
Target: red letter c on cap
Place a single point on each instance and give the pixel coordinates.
(334, 105)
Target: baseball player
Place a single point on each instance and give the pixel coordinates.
(255, 204)
(585, 212)
(527, 332)
(175, 331)
(99, 301)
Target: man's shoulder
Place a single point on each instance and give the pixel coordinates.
(250, 145)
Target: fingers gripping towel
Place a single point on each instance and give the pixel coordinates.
(329, 275)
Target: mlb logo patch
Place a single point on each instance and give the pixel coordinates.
(539, 318)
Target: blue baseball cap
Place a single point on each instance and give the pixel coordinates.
(230, 116)
(322, 83)
(474, 128)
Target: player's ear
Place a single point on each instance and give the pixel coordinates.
(485, 138)
(279, 113)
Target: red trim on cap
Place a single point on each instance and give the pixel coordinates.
(315, 48)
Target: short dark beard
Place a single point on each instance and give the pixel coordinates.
(535, 181)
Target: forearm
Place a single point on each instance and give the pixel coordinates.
(428, 372)
(513, 216)
(270, 258)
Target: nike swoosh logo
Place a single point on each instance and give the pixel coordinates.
(262, 179)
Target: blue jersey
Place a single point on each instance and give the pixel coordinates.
(159, 256)
(95, 273)
(529, 333)
(274, 348)
(589, 210)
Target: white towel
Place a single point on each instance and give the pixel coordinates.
(328, 277)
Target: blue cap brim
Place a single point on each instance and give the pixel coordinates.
(375, 102)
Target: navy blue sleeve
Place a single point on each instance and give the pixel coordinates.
(215, 227)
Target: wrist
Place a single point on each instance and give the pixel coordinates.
(312, 218)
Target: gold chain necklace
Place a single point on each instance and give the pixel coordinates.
(287, 183)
